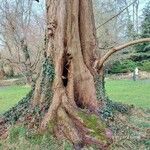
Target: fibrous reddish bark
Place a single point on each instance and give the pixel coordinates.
(71, 45)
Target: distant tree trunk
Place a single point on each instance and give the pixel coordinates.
(71, 44)
(27, 62)
(2, 73)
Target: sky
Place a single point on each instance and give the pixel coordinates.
(142, 4)
(40, 7)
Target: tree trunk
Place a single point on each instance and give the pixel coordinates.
(71, 44)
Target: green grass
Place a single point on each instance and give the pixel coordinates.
(10, 95)
(125, 91)
(129, 92)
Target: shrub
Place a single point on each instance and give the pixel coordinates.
(123, 66)
(145, 66)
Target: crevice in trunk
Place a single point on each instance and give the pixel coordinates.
(79, 104)
(65, 76)
(66, 67)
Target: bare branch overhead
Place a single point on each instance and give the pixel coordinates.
(118, 48)
(115, 15)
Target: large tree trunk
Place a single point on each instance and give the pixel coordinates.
(71, 44)
(71, 78)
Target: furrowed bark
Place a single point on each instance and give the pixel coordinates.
(88, 34)
(72, 46)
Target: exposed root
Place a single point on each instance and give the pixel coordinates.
(57, 98)
(64, 121)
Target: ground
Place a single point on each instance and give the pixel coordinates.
(10, 95)
(129, 92)
(130, 131)
(118, 90)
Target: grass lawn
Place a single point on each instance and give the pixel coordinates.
(10, 95)
(125, 91)
(129, 92)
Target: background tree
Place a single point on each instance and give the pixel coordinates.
(116, 22)
(142, 51)
(139, 56)
(22, 35)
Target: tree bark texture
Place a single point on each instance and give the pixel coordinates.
(71, 45)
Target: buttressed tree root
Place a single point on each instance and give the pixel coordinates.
(69, 84)
(71, 44)
(73, 112)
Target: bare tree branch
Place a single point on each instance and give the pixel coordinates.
(115, 15)
(100, 63)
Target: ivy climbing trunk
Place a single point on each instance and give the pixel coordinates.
(71, 46)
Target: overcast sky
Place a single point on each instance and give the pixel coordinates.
(142, 4)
